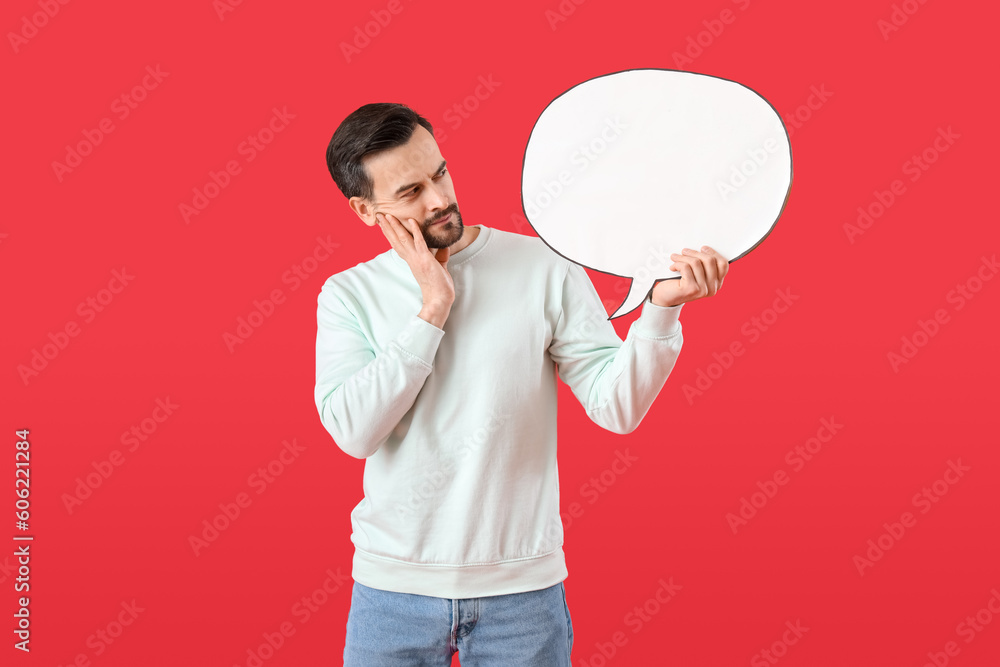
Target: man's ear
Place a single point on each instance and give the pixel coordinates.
(364, 209)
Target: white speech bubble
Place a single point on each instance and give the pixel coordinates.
(624, 169)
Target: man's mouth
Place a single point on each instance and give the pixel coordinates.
(442, 220)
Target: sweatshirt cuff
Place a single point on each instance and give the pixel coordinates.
(658, 321)
(420, 339)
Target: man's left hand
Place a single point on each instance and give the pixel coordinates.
(702, 274)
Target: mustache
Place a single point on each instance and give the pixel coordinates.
(444, 214)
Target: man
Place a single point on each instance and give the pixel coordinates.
(436, 362)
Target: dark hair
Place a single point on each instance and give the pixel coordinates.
(369, 129)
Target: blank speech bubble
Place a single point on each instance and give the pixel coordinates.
(626, 168)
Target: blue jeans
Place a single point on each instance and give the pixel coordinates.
(387, 629)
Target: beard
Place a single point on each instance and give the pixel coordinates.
(444, 235)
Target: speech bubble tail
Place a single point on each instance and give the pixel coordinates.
(636, 293)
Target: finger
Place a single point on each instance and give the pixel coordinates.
(703, 286)
(709, 268)
(697, 285)
(418, 236)
(442, 255)
(721, 262)
(687, 279)
(387, 230)
(401, 232)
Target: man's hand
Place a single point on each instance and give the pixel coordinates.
(702, 274)
(429, 268)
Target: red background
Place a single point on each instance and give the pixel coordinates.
(827, 357)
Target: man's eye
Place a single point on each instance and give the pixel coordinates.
(414, 191)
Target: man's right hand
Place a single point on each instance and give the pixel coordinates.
(429, 268)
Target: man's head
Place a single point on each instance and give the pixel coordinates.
(384, 159)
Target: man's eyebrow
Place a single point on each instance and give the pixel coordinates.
(403, 188)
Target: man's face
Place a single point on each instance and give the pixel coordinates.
(412, 181)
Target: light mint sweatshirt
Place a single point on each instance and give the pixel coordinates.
(458, 426)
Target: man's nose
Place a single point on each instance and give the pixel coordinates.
(437, 198)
